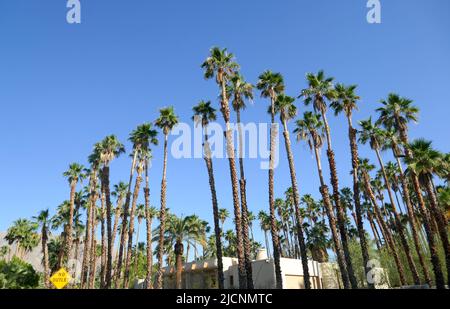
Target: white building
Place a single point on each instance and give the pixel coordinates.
(203, 274)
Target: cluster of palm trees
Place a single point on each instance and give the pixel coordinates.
(299, 226)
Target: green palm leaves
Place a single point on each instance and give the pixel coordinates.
(204, 113)
(167, 119)
(284, 105)
(270, 84)
(220, 63)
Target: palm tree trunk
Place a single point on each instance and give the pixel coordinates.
(384, 229)
(299, 219)
(234, 186)
(44, 238)
(398, 223)
(332, 222)
(106, 189)
(427, 219)
(441, 223)
(162, 220)
(117, 215)
(430, 233)
(179, 263)
(124, 228)
(68, 245)
(356, 198)
(374, 232)
(337, 201)
(148, 219)
(244, 210)
(136, 256)
(273, 226)
(104, 242)
(217, 229)
(93, 255)
(131, 229)
(87, 237)
(413, 223)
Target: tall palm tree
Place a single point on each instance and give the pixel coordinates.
(75, 173)
(310, 129)
(204, 113)
(89, 259)
(141, 137)
(109, 148)
(375, 136)
(364, 168)
(220, 64)
(166, 121)
(239, 90)
(395, 114)
(271, 86)
(345, 100)
(284, 105)
(43, 220)
(320, 89)
(140, 166)
(424, 162)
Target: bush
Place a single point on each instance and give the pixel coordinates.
(17, 274)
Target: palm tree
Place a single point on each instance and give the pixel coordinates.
(75, 173)
(395, 114)
(178, 232)
(140, 166)
(166, 121)
(239, 90)
(287, 110)
(23, 234)
(424, 162)
(89, 258)
(373, 134)
(271, 86)
(204, 114)
(141, 137)
(140, 214)
(364, 168)
(310, 129)
(61, 220)
(319, 89)
(346, 101)
(220, 64)
(43, 220)
(224, 214)
(264, 223)
(109, 148)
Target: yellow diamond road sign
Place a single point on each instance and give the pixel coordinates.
(61, 278)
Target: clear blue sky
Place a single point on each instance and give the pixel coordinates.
(64, 87)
